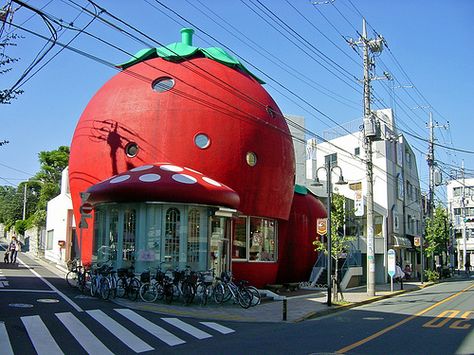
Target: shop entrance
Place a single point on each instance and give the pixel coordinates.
(219, 244)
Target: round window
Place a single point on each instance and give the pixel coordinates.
(162, 84)
(251, 158)
(131, 149)
(202, 140)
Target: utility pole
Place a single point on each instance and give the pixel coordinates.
(371, 133)
(432, 183)
(463, 217)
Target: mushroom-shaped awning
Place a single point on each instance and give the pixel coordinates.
(163, 182)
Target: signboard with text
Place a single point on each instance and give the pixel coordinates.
(391, 262)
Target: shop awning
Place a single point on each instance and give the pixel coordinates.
(401, 242)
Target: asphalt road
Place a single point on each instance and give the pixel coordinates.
(435, 320)
(40, 314)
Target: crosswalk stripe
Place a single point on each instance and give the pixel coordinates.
(84, 336)
(150, 327)
(40, 336)
(218, 327)
(5, 340)
(122, 333)
(195, 332)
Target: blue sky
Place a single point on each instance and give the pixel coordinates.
(314, 74)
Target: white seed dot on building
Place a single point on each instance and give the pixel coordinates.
(184, 179)
(211, 182)
(149, 177)
(119, 179)
(142, 168)
(172, 168)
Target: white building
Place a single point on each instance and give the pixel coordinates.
(461, 212)
(397, 201)
(60, 226)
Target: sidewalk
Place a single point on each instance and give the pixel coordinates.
(300, 305)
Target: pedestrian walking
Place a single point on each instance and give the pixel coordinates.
(467, 265)
(14, 248)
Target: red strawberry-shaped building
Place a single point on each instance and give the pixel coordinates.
(189, 161)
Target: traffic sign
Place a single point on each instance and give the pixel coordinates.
(417, 241)
(322, 226)
(86, 209)
(391, 262)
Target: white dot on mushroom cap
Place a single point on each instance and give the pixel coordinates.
(141, 168)
(173, 168)
(183, 178)
(119, 179)
(210, 181)
(149, 177)
(194, 171)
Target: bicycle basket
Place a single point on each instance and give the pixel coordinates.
(121, 272)
(145, 276)
(208, 278)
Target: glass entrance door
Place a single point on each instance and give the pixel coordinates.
(219, 244)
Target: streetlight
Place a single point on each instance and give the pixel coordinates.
(329, 169)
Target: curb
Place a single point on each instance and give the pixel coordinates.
(340, 308)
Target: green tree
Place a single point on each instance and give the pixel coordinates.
(437, 232)
(52, 164)
(340, 243)
(44, 186)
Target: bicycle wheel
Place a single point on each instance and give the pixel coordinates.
(148, 292)
(188, 292)
(200, 291)
(120, 287)
(133, 289)
(94, 286)
(71, 278)
(86, 282)
(105, 288)
(256, 296)
(219, 293)
(168, 293)
(227, 293)
(244, 297)
(160, 291)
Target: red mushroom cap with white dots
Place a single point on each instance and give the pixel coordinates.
(163, 182)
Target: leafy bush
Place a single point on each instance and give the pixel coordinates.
(432, 275)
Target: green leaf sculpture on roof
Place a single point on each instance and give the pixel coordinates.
(183, 50)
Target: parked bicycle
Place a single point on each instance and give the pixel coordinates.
(225, 289)
(204, 286)
(128, 285)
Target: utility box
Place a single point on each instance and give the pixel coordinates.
(371, 128)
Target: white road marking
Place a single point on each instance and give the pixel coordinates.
(66, 298)
(122, 333)
(40, 336)
(218, 327)
(150, 327)
(4, 284)
(5, 345)
(185, 327)
(84, 336)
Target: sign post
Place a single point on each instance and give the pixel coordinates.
(391, 266)
(85, 209)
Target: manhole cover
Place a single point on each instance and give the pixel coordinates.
(47, 300)
(85, 297)
(21, 305)
(373, 318)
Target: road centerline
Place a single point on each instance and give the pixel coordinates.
(403, 321)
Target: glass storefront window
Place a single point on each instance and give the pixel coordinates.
(239, 243)
(113, 233)
(173, 219)
(193, 238)
(129, 232)
(262, 240)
